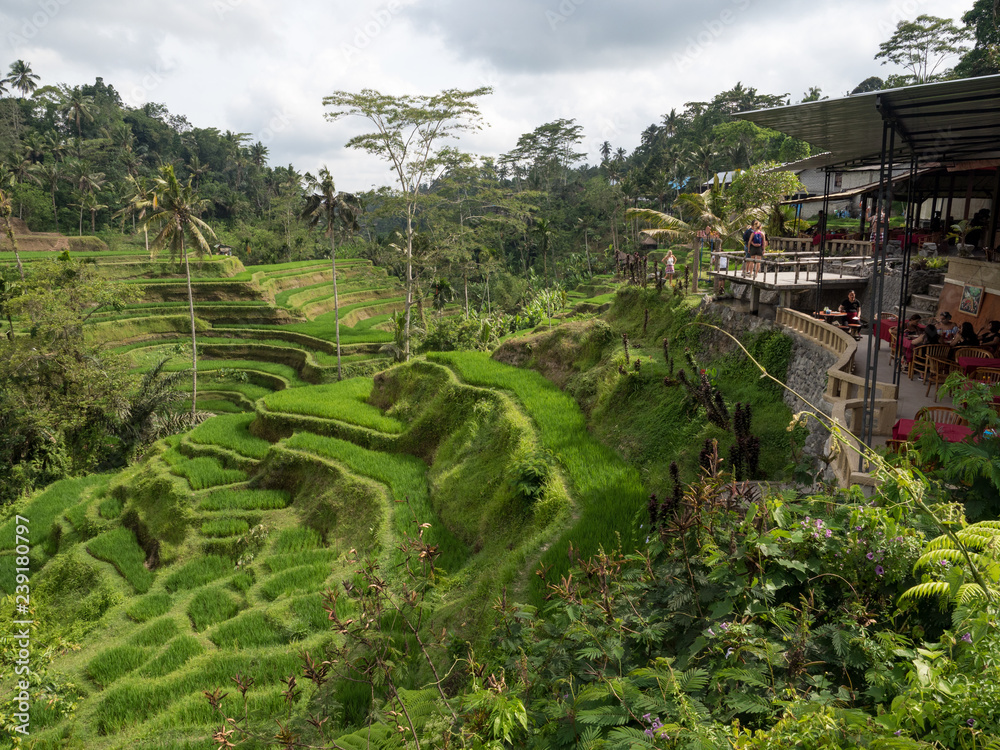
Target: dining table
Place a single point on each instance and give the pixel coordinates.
(951, 433)
(968, 365)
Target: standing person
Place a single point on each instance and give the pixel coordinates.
(757, 245)
(746, 248)
(669, 261)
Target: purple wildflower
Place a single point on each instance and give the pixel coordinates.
(711, 632)
(879, 570)
(971, 722)
(857, 528)
(870, 555)
(829, 533)
(967, 637)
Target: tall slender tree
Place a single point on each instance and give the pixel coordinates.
(326, 207)
(408, 131)
(176, 208)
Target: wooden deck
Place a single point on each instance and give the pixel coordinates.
(789, 273)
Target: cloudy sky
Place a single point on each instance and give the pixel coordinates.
(263, 67)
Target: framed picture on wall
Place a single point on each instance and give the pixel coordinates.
(972, 298)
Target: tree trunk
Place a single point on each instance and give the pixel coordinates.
(81, 221)
(465, 283)
(145, 232)
(194, 336)
(13, 242)
(586, 247)
(409, 283)
(336, 302)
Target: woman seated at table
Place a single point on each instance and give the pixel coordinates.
(929, 336)
(966, 337)
(947, 328)
(911, 329)
(989, 336)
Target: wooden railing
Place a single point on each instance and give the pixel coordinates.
(801, 263)
(845, 393)
(833, 247)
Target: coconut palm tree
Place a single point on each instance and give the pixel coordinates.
(139, 197)
(700, 211)
(175, 209)
(327, 207)
(77, 107)
(22, 78)
(48, 173)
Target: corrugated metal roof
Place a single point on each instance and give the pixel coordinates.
(946, 121)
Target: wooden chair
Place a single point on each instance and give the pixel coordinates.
(938, 370)
(918, 364)
(977, 352)
(897, 446)
(988, 375)
(940, 415)
(893, 338)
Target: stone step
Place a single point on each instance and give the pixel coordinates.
(923, 303)
(934, 290)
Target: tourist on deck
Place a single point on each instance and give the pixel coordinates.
(756, 246)
(746, 248)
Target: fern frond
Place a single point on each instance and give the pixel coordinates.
(929, 590)
(970, 592)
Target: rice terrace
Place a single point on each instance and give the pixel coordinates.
(511, 451)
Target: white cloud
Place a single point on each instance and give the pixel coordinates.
(616, 67)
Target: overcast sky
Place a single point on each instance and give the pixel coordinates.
(616, 67)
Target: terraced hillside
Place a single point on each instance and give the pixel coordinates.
(209, 558)
(260, 329)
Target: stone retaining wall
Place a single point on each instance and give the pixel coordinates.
(806, 370)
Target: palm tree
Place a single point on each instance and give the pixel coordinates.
(77, 106)
(326, 206)
(22, 78)
(543, 232)
(704, 211)
(85, 181)
(48, 173)
(175, 215)
(139, 198)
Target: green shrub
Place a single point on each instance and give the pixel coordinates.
(198, 572)
(230, 431)
(246, 500)
(211, 605)
(156, 633)
(345, 401)
(277, 563)
(242, 581)
(301, 578)
(219, 527)
(110, 508)
(249, 630)
(149, 606)
(113, 663)
(177, 654)
(120, 548)
(296, 540)
(205, 471)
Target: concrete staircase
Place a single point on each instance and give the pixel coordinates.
(926, 304)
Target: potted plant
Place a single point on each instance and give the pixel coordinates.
(959, 231)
